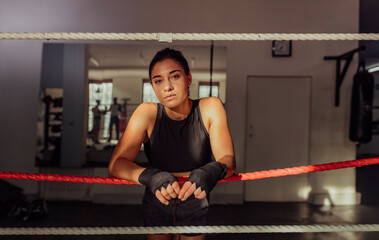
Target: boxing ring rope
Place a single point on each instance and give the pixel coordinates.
(319, 228)
(237, 177)
(169, 37)
(193, 229)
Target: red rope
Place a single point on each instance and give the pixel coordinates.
(301, 170)
(238, 177)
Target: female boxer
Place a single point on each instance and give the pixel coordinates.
(179, 136)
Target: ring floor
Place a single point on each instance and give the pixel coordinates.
(87, 214)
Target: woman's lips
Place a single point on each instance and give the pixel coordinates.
(170, 96)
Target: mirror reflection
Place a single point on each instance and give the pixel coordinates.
(89, 91)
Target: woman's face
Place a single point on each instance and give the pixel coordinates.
(170, 83)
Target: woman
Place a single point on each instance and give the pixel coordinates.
(179, 135)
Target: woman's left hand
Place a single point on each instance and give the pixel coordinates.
(188, 189)
(202, 180)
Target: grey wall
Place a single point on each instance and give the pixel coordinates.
(52, 66)
(20, 65)
(75, 105)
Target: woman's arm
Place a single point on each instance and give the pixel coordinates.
(121, 164)
(221, 140)
(215, 121)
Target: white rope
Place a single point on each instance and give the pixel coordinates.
(169, 37)
(190, 229)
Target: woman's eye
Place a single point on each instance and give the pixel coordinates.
(157, 81)
(175, 77)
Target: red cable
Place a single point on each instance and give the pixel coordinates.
(234, 178)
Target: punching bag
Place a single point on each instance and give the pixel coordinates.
(361, 106)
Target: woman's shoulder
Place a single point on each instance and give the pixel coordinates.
(209, 102)
(147, 105)
(146, 110)
(211, 109)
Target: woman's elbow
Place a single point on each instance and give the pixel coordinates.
(230, 166)
(230, 172)
(111, 169)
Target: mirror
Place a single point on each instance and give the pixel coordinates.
(99, 86)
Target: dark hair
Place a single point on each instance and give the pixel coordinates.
(169, 53)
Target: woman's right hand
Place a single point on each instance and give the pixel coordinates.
(162, 184)
(165, 194)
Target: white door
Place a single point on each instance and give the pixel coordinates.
(278, 119)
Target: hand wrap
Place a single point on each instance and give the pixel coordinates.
(155, 179)
(207, 176)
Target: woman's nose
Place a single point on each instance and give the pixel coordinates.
(168, 85)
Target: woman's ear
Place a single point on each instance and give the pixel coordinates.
(189, 79)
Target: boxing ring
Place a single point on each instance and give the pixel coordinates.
(170, 37)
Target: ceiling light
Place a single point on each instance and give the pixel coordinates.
(94, 61)
(192, 62)
(373, 69)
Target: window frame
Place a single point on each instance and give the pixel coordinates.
(148, 81)
(214, 84)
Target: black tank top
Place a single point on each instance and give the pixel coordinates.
(178, 146)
